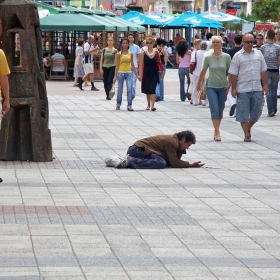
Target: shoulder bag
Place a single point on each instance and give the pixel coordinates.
(159, 63)
(112, 91)
(193, 65)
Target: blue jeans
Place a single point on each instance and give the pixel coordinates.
(249, 106)
(134, 80)
(217, 99)
(121, 77)
(151, 161)
(271, 97)
(182, 72)
(160, 86)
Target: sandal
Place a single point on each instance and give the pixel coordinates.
(153, 109)
(247, 138)
(148, 108)
(118, 107)
(217, 138)
(130, 109)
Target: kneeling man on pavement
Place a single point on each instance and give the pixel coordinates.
(161, 151)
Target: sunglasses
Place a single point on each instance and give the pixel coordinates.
(149, 43)
(249, 42)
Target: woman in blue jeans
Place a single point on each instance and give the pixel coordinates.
(217, 86)
(183, 58)
(123, 71)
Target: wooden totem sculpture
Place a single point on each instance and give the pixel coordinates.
(24, 134)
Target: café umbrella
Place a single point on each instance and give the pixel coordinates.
(192, 20)
(74, 22)
(140, 19)
(221, 17)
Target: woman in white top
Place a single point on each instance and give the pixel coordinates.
(198, 57)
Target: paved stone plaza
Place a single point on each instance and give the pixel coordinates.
(74, 218)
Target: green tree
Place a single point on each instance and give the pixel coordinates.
(250, 17)
(266, 10)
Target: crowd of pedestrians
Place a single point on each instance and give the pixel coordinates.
(241, 75)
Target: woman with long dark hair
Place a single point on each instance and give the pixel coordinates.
(123, 71)
(183, 58)
(108, 65)
(163, 58)
(148, 68)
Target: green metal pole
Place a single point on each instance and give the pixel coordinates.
(83, 3)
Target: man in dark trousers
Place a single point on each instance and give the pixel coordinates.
(161, 151)
(237, 47)
(271, 53)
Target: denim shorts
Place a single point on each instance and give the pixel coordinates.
(249, 106)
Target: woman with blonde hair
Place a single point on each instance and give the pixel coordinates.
(148, 68)
(198, 57)
(196, 48)
(217, 85)
(108, 65)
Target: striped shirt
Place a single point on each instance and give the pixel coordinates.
(271, 52)
(88, 47)
(248, 68)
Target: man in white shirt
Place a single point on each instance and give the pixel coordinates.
(135, 50)
(89, 49)
(247, 70)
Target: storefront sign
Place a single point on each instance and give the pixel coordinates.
(137, 3)
(236, 5)
(231, 12)
(119, 3)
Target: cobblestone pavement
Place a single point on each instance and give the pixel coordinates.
(74, 218)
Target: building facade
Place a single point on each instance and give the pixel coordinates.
(234, 7)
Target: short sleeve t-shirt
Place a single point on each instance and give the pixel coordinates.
(218, 66)
(271, 52)
(4, 68)
(135, 50)
(88, 47)
(109, 58)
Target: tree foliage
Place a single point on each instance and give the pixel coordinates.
(266, 10)
(250, 17)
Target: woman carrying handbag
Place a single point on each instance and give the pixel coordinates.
(198, 57)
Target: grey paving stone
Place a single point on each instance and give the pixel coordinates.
(75, 218)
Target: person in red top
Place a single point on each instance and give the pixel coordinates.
(178, 38)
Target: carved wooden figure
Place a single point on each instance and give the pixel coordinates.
(25, 134)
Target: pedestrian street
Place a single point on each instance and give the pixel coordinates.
(75, 218)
